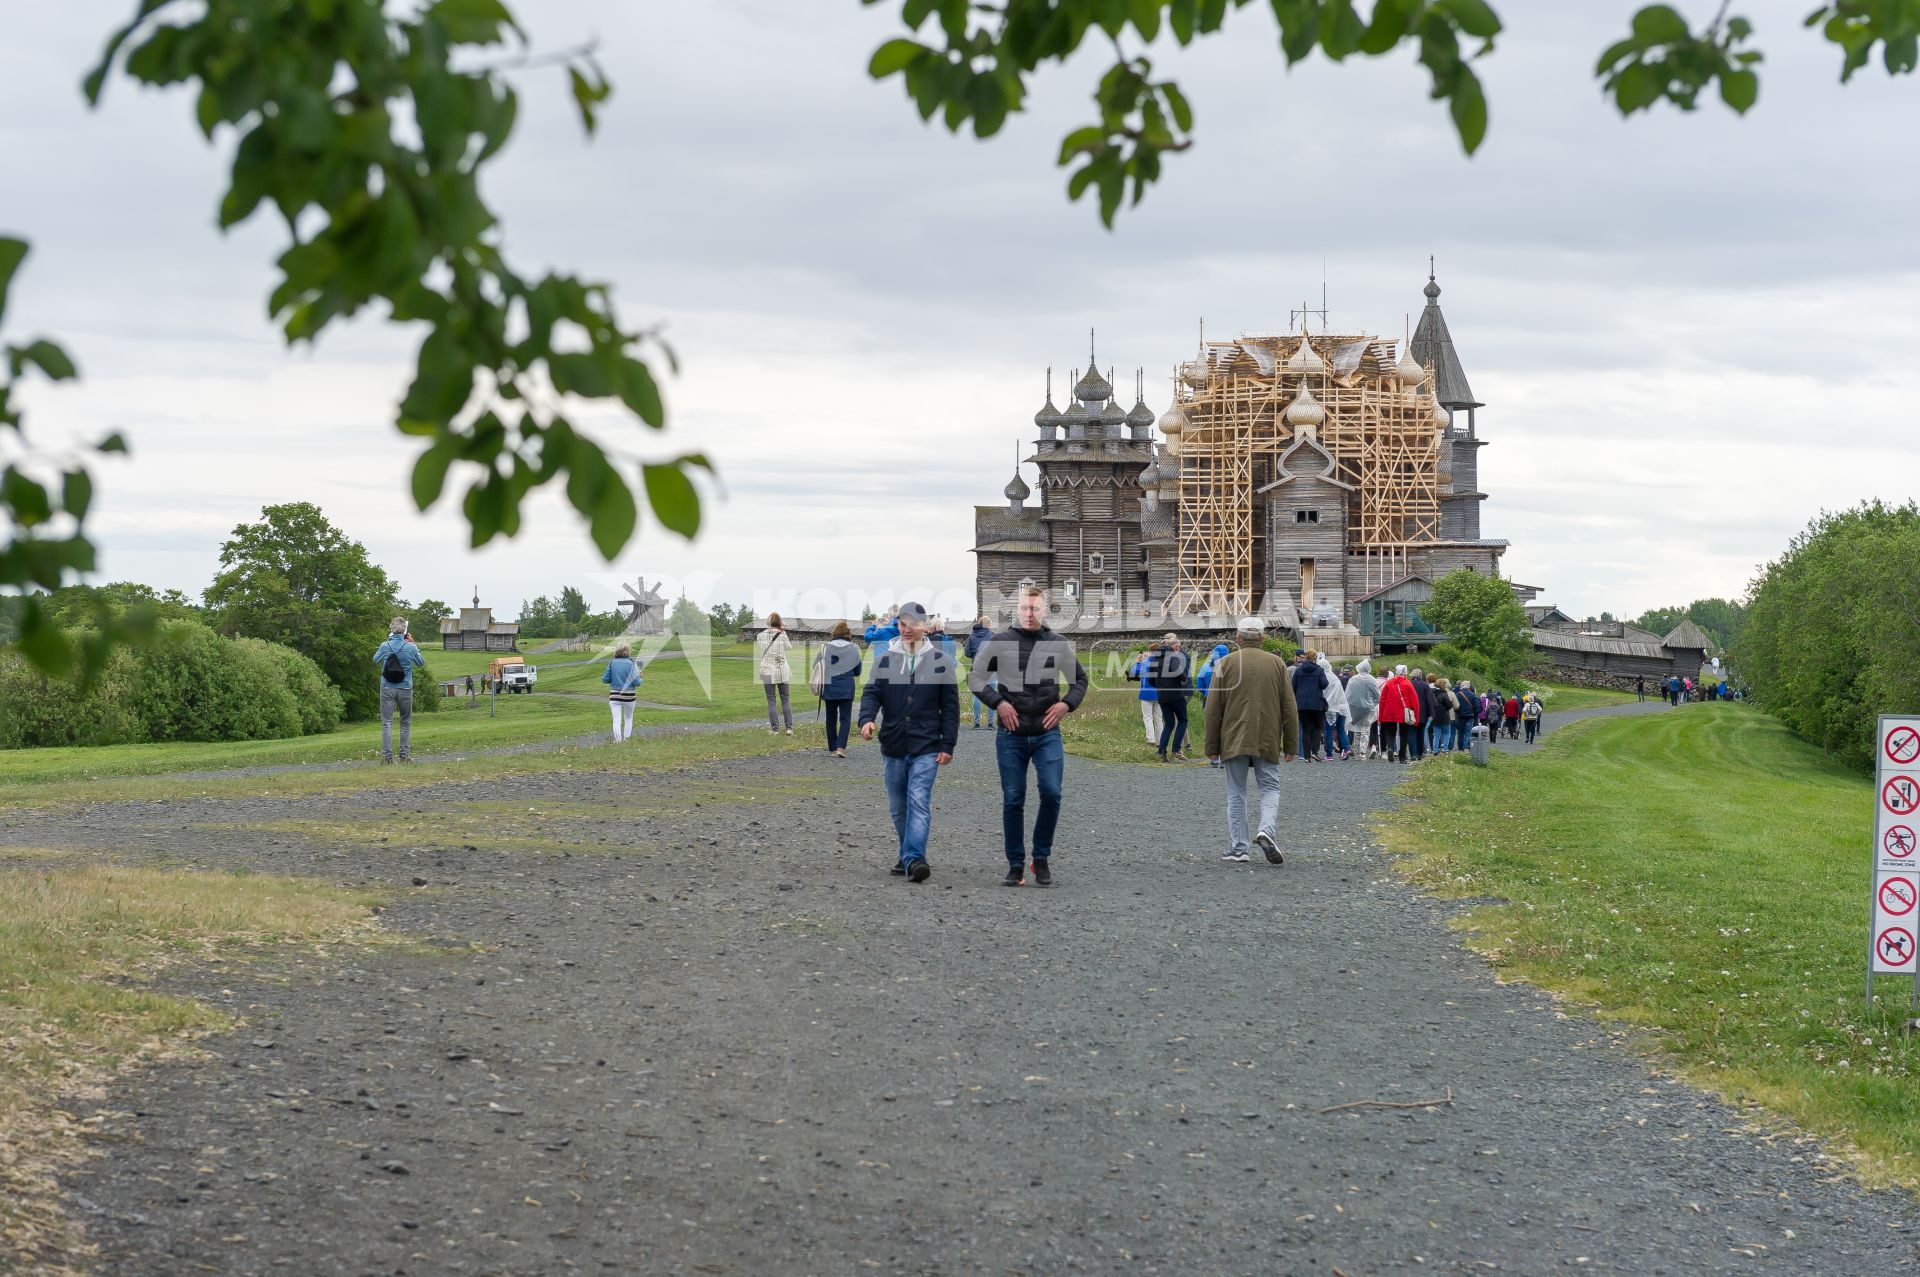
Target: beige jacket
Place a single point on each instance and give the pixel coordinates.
(771, 649)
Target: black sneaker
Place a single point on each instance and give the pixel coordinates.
(1042, 876)
(1015, 875)
(919, 871)
(1265, 842)
(899, 869)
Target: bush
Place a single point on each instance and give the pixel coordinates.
(188, 684)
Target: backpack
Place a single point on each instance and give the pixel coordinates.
(1530, 710)
(817, 682)
(395, 669)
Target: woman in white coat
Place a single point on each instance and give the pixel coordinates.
(771, 650)
(1363, 707)
(1338, 711)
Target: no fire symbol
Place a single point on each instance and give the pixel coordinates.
(1901, 795)
(1898, 841)
(1895, 946)
(1903, 745)
(1897, 896)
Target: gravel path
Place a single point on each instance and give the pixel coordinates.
(709, 1034)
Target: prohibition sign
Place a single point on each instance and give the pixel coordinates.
(1898, 841)
(1897, 896)
(1901, 795)
(1895, 946)
(1903, 745)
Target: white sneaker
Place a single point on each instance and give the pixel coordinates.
(1237, 858)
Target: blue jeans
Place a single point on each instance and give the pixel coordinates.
(910, 802)
(1336, 732)
(1049, 758)
(979, 704)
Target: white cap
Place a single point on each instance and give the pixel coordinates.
(1251, 625)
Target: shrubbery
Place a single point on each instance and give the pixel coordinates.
(189, 684)
(1834, 625)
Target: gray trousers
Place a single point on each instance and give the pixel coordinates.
(785, 706)
(1267, 775)
(391, 699)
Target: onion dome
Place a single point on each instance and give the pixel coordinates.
(1075, 414)
(1141, 416)
(1305, 411)
(1150, 477)
(1047, 416)
(1408, 370)
(1440, 413)
(1173, 421)
(1017, 489)
(1305, 362)
(1093, 388)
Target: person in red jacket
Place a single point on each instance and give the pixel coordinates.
(1399, 715)
(1510, 713)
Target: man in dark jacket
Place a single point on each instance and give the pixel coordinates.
(1310, 694)
(976, 639)
(1018, 674)
(915, 693)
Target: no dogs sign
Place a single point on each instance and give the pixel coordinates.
(1892, 947)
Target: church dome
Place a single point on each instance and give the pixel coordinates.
(1017, 489)
(1093, 388)
(1047, 416)
(1150, 477)
(1306, 410)
(1408, 370)
(1173, 421)
(1305, 361)
(1141, 416)
(1076, 412)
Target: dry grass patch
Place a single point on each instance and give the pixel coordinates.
(77, 945)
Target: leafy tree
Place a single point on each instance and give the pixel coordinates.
(1829, 636)
(1660, 619)
(1722, 620)
(573, 606)
(425, 619)
(975, 63)
(685, 618)
(1606, 616)
(539, 618)
(294, 578)
(1480, 616)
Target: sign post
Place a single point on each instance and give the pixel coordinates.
(1894, 940)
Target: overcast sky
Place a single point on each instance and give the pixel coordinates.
(1692, 333)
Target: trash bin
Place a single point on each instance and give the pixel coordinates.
(1478, 747)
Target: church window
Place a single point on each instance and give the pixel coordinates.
(1306, 516)
(1096, 562)
(1072, 588)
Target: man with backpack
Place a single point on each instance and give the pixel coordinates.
(397, 659)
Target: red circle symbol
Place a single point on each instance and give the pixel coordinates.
(1897, 896)
(1895, 946)
(1898, 841)
(1901, 795)
(1903, 745)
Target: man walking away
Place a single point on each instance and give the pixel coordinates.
(1363, 702)
(1171, 684)
(916, 696)
(1252, 725)
(1018, 675)
(976, 638)
(1309, 693)
(1149, 699)
(397, 659)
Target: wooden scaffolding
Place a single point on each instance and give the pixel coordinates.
(1382, 426)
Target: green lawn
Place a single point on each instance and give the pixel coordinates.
(1705, 875)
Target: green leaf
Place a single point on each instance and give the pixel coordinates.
(675, 501)
(590, 89)
(43, 643)
(639, 392)
(76, 493)
(115, 442)
(1090, 138)
(1739, 89)
(1477, 18)
(1177, 103)
(50, 359)
(614, 515)
(1469, 110)
(24, 498)
(472, 21)
(444, 380)
(579, 374)
(12, 253)
(430, 473)
(1660, 24)
(895, 56)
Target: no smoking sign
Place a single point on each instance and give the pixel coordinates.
(1903, 746)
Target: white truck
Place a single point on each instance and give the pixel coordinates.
(511, 674)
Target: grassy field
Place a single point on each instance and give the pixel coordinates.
(66, 1028)
(1701, 874)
